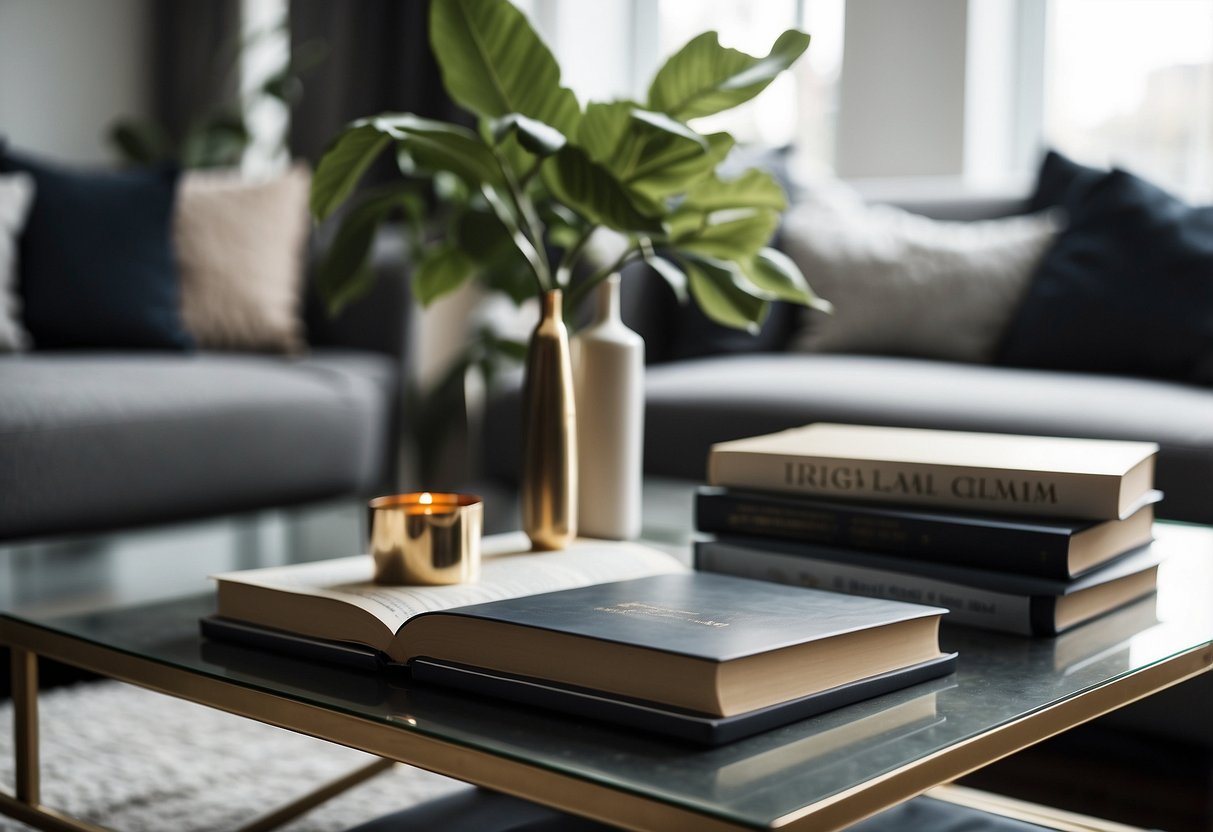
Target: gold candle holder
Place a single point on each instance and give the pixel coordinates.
(426, 538)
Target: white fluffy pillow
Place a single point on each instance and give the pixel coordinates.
(16, 196)
(903, 284)
(240, 247)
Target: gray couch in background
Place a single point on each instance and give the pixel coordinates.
(92, 440)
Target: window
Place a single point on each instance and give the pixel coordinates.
(800, 106)
(612, 48)
(1130, 82)
(962, 89)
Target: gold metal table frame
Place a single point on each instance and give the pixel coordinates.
(531, 782)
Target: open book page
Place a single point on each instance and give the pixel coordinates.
(508, 570)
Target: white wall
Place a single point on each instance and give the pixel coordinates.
(893, 122)
(67, 69)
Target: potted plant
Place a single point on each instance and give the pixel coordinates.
(524, 191)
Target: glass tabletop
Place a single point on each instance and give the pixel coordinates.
(751, 783)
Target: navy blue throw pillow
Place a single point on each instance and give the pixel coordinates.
(96, 258)
(1127, 288)
(1062, 183)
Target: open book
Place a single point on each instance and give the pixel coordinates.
(604, 626)
(339, 600)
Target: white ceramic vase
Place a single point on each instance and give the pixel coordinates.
(608, 380)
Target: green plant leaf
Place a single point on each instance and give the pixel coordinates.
(672, 274)
(602, 127)
(441, 270)
(723, 294)
(493, 63)
(704, 77)
(649, 153)
(140, 142)
(219, 142)
(775, 274)
(534, 136)
(682, 223)
(513, 156)
(673, 175)
(440, 146)
(664, 124)
(753, 189)
(525, 246)
(342, 274)
(285, 86)
(517, 284)
(353, 286)
(513, 350)
(480, 235)
(342, 165)
(592, 191)
(732, 234)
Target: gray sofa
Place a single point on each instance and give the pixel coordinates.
(92, 440)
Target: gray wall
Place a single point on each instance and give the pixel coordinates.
(67, 69)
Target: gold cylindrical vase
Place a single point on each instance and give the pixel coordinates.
(549, 433)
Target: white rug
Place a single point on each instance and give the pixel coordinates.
(133, 760)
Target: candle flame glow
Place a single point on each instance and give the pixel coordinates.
(426, 499)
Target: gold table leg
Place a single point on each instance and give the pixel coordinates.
(25, 725)
(25, 804)
(313, 799)
(1022, 810)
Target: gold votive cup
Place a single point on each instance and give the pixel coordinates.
(426, 538)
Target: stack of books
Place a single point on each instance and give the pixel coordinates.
(1022, 534)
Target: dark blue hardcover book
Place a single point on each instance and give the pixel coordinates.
(712, 644)
(1039, 546)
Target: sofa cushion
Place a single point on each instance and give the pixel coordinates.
(903, 284)
(94, 440)
(1062, 183)
(240, 246)
(1127, 288)
(692, 404)
(96, 262)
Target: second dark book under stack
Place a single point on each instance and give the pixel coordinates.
(1031, 535)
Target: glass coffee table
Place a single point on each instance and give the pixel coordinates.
(824, 773)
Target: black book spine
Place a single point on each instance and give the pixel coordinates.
(971, 542)
(1043, 616)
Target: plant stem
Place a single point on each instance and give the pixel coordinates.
(577, 295)
(530, 174)
(531, 226)
(539, 266)
(565, 269)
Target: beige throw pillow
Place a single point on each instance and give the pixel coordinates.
(240, 247)
(903, 284)
(16, 196)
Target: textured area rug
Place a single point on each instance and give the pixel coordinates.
(134, 760)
